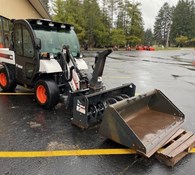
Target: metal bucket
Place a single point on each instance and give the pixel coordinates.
(143, 123)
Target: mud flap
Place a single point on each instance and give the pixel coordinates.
(143, 123)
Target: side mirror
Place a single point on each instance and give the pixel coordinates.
(38, 43)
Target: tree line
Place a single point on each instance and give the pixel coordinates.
(102, 23)
(174, 26)
(105, 23)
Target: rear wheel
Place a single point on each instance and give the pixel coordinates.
(47, 93)
(6, 82)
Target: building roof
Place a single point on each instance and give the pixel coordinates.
(23, 9)
(38, 5)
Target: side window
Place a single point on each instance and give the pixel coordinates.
(7, 39)
(27, 44)
(1, 33)
(18, 40)
(23, 42)
(6, 28)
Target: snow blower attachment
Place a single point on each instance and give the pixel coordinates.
(89, 109)
(89, 104)
(143, 123)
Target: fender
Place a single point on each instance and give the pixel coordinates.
(82, 65)
(49, 66)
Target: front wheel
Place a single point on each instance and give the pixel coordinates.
(47, 93)
(6, 82)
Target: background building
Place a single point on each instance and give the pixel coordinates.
(23, 9)
(18, 9)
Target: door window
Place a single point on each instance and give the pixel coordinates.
(23, 42)
(27, 44)
(18, 40)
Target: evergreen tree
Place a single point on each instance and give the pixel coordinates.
(104, 33)
(59, 11)
(93, 22)
(135, 28)
(130, 20)
(95, 25)
(118, 38)
(74, 14)
(192, 12)
(162, 25)
(65, 12)
(148, 37)
(112, 6)
(121, 15)
(183, 20)
(123, 18)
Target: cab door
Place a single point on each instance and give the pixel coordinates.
(25, 58)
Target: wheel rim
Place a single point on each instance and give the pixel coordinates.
(41, 94)
(3, 79)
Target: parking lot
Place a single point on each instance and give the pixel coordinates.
(24, 126)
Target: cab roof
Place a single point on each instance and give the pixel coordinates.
(48, 22)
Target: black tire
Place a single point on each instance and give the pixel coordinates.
(47, 93)
(6, 82)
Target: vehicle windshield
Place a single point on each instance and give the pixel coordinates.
(52, 41)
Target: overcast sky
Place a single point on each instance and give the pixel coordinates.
(150, 10)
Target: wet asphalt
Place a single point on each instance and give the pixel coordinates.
(24, 126)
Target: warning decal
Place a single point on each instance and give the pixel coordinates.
(80, 108)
